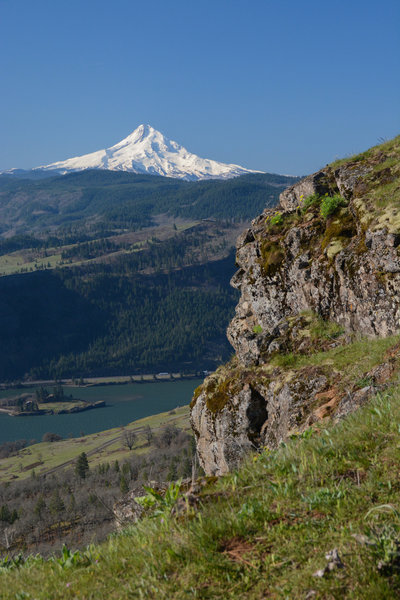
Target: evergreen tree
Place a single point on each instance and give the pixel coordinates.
(72, 505)
(123, 485)
(82, 466)
(126, 469)
(40, 507)
(56, 505)
(148, 434)
(7, 516)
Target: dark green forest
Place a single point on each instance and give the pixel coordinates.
(73, 322)
(114, 304)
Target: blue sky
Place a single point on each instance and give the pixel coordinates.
(281, 86)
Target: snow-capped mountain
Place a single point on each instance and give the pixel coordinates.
(146, 150)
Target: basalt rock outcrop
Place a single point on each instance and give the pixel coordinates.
(321, 268)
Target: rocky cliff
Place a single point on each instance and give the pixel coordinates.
(315, 329)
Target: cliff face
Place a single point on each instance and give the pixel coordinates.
(314, 273)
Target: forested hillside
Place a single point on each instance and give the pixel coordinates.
(100, 200)
(114, 273)
(77, 322)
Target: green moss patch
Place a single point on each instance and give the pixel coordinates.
(195, 396)
(272, 257)
(340, 227)
(220, 391)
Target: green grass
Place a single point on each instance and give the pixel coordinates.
(101, 447)
(322, 329)
(356, 358)
(20, 262)
(261, 532)
(390, 147)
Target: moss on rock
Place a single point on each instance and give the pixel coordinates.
(196, 394)
(272, 257)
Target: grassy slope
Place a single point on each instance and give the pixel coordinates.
(261, 532)
(100, 447)
(356, 358)
(380, 189)
(22, 261)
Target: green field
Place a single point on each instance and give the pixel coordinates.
(21, 262)
(104, 446)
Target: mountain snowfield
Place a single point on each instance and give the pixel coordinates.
(146, 150)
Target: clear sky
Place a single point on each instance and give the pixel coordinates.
(277, 85)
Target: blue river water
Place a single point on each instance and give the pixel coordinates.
(124, 403)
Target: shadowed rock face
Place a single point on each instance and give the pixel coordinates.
(344, 267)
(224, 436)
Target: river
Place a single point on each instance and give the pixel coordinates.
(125, 403)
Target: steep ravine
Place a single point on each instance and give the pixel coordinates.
(319, 275)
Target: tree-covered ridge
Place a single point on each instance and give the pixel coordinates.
(127, 200)
(101, 319)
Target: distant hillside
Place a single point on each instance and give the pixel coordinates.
(115, 273)
(100, 200)
(134, 302)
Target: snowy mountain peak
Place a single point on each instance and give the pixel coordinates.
(147, 137)
(147, 150)
(139, 134)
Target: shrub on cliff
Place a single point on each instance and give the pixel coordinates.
(330, 204)
(312, 200)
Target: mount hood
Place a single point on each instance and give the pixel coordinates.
(146, 150)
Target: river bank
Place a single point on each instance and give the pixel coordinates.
(109, 380)
(82, 407)
(123, 404)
